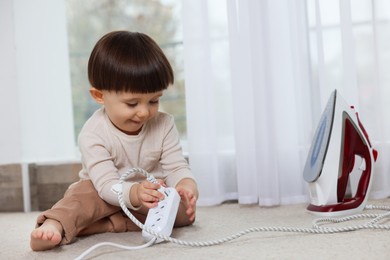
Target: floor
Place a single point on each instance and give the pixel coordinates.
(214, 223)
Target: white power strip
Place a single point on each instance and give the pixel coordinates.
(161, 219)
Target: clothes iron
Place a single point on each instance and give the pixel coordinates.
(340, 162)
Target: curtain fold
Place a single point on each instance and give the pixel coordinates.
(258, 75)
(206, 66)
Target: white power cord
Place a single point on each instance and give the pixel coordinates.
(86, 252)
(316, 229)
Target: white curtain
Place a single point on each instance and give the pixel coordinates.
(258, 75)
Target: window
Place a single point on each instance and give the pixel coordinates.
(89, 20)
(369, 24)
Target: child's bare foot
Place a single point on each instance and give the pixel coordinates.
(47, 236)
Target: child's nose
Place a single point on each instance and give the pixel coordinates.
(143, 112)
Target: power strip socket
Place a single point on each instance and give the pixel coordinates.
(162, 218)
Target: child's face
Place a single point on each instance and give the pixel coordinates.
(129, 111)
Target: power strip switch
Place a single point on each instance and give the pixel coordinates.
(161, 219)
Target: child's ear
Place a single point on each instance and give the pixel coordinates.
(97, 95)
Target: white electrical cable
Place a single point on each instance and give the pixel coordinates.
(86, 252)
(316, 229)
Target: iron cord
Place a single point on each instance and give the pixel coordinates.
(318, 225)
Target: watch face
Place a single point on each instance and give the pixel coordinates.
(319, 146)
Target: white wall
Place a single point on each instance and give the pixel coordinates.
(36, 121)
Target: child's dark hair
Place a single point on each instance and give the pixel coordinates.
(130, 62)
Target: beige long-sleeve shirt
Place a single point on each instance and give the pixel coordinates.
(107, 153)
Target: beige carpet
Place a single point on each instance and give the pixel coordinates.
(214, 223)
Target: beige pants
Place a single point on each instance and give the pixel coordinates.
(83, 212)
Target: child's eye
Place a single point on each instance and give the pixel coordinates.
(132, 104)
(154, 101)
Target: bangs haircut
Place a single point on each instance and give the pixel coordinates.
(125, 61)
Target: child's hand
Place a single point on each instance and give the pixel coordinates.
(189, 194)
(147, 194)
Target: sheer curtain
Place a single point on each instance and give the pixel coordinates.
(258, 75)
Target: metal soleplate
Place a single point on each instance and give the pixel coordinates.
(319, 146)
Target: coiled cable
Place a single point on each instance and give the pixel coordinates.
(318, 227)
